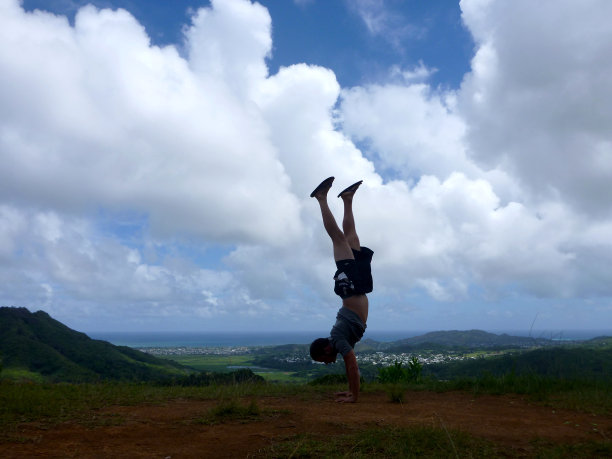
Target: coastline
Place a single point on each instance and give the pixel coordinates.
(225, 339)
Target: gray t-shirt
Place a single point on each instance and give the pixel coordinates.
(347, 331)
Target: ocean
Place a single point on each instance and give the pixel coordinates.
(229, 339)
(226, 339)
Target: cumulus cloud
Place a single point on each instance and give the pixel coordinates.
(497, 187)
(537, 101)
(497, 184)
(401, 123)
(297, 104)
(65, 263)
(238, 58)
(444, 236)
(93, 115)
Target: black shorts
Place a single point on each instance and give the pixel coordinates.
(354, 277)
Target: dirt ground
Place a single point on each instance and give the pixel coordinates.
(172, 430)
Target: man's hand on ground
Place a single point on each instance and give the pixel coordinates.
(345, 397)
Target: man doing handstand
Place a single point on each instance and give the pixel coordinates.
(353, 279)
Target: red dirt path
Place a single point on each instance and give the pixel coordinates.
(172, 431)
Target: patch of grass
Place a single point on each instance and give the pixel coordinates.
(396, 392)
(595, 399)
(95, 419)
(583, 450)
(422, 442)
(50, 403)
(418, 441)
(20, 402)
(232, 410)
(592, 396)
(21, 375)
(581, 395)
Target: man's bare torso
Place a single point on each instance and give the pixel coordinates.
(358, 304)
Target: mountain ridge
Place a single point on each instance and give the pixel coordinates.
(35, 345)
(453, 339)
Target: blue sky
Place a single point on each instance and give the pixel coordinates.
(331, 34)
(159, 157)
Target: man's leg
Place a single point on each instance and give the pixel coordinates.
(357, 303)
(342, 249)
(348, 222)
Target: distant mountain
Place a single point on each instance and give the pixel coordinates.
(452, 339)
(599, 342)
(36, 346)
(578, 362)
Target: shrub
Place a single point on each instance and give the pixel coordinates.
(397, 373)
(396, 393)
(414, 369)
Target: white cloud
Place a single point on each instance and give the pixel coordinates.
(411, 129)
(374, 15)
(297, 106)
(418, 74)
(238, 57)
(11, 224)
(470, 190)
(503, 171)
(68, 264)
(94, 115)
(537, 102)
(445, 235)
(382, 20)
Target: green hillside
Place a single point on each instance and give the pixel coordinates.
(38, 347)
(475, 339)
(576, 362)
(453, 339)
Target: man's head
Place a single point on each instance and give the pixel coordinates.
(321, 350)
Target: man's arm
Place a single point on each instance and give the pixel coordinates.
(352, 374)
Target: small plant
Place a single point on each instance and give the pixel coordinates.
(396, 393)
(414, 369)
(397, 377)
(397, 373)
(231, 410)
(392, 374)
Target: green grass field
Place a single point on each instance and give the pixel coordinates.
(285, 377)
(212, 362)
(227, 363)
